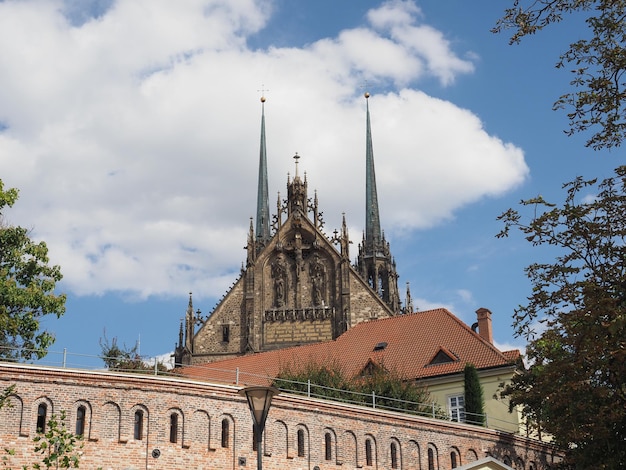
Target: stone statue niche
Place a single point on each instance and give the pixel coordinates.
(279, 280)
(318, 282)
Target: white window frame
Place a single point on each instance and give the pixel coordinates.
(456, 408)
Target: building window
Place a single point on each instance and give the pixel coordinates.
(394, 455)
(80, 420)
(431, 459)
(254, 437)
(300, 443)
(328, 446)
(225, 333)
(173, 427)
(42, 410)
(225, 433)
(456, 407)
(368, 452)
(138, 425)
(453, 459)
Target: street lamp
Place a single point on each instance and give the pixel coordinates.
(259, 400)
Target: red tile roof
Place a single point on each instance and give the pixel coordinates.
(413, 340)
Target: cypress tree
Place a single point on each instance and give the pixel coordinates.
(474, 402)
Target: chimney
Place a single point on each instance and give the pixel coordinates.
(484, 324)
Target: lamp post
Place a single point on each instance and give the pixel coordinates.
(259, 401)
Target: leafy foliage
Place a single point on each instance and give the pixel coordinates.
(58, 447)
(474, 401)
(598, 63)
(123, 358)
(574, 386)
(27, 285)
(329, 380)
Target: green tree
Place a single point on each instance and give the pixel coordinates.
(124, 358)
(474, 401)
(329, 380)
(575, 320)
(27, 285)
(597, 61)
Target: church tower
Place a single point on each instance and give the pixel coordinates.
(297, 285)
(375, 263)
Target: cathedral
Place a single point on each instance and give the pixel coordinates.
(298, 285)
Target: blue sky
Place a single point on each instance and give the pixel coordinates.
(132, 128)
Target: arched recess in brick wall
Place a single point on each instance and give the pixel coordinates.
(303, 441)
(455, 457)
(139, 419)
(12, 416)
(74, 418)
(348, 449)
(279, 443)
(412, 457)
(471, 456)
(110, 417)
(44, 405)
(222, 432)
(176, 425)
(370, 456)
(432, 457)
(395, 457)
(330, 445)
(198, 434)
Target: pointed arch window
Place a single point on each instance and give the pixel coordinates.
(138, 426)
(42, 411)
(80, 420)
(453, 463)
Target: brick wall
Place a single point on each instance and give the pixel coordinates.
(296, 425)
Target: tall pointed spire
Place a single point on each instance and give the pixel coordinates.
(262, 203)
(375, 263)
(372, 216)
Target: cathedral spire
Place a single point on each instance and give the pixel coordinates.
(262, 204)
(375, 263)
(372, 216)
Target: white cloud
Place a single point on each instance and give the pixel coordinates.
(134, 136)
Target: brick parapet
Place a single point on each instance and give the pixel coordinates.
(113, 398)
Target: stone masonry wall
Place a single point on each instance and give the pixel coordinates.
(363, 305)
(215, 427)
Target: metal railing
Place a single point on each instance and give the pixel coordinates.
(66, 360)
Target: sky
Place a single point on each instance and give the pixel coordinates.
(131, 129)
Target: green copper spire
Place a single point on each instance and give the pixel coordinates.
(375, 263)
(372, 216)
(262, 202)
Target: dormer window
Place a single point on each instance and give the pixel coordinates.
(443, 356)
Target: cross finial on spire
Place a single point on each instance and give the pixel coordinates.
(263, 90)
(296, 157)
(367, 93)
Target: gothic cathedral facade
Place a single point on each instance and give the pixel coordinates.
(298, 285)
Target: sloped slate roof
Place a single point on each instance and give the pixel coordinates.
(413, 340)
